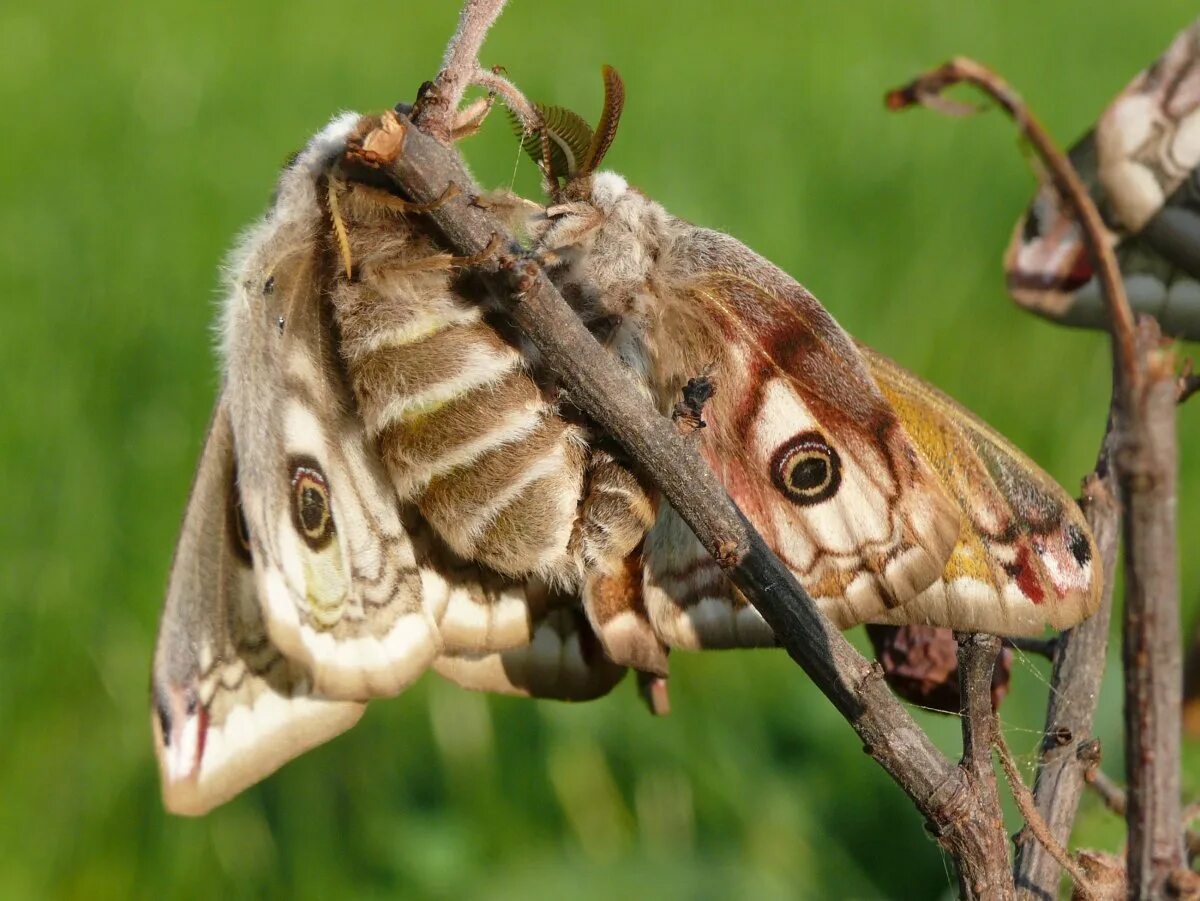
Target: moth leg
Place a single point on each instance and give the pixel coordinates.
(339, 227)
(400, 205)
(614, 518)
(469, 119)
(439, 261)
(653, 690)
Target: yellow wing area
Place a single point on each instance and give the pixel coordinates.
(1025, 558)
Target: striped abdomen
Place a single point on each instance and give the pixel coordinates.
(463, 429)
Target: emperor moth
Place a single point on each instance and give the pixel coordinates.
(392, 484)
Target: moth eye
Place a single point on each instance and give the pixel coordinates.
(311, 514)
(806, 469)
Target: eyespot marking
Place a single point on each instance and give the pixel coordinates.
(806, 470)
(312, 514)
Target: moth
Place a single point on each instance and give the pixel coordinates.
(888, 501)
(1140, 163)
(310, 574)
(391, 483)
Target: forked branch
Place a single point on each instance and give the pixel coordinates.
(1140, 453)
(461, 69)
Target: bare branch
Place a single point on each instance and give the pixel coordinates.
(1146, 467)
(605, 392)
(1034, 822)
(460, 67)
(977, 655)
(1074, 691)
(1065, 178)
(1144, 455)
(1108, 791)
(1043, 647)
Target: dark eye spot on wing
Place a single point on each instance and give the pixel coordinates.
(1081, 548)
(312, 514)
(806, 470)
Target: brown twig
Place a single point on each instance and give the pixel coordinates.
(1108, 791)
(460, 67)
(1074, 691)
(1042, 647)
(977, 655)
(1115, 799)
(939, 789)
(1033, 818)
(1144, 458)
(1146, 468)
(1062, 173)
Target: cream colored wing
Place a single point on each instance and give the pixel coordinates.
(335, 566)
(802, 439)
(229, 708)
(1141, 167)
(1025, 558)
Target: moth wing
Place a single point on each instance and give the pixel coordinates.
(1026, 558)
(1148, 140)
(1140, 166)
(563, 661)
(803, 440)
(229, 708)
(335, 565)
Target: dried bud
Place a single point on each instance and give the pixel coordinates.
(920, 663)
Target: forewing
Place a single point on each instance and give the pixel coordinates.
(229, 708)
(1026, 558)
(335, 565)
(804, 442)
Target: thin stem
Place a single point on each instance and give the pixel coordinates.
(460, 65)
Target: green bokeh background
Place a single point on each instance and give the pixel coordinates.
(141, 136)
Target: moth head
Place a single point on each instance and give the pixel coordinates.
(566, 148)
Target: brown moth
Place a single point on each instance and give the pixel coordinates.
(889, 502)
(1141, 166)
(391, 484)
(304, 582)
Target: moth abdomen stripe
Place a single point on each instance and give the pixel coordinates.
(402, 382)
(418, 449)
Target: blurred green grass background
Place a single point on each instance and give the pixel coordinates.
(140, 137)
